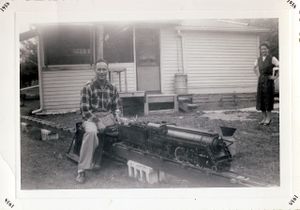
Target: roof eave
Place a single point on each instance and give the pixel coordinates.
(200, 28)
(28, 35)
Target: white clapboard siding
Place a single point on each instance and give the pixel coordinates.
(220, 62)
(61, 88)
(171, 58)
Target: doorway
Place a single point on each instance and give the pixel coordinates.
(147, 59)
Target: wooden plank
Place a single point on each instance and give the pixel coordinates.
(162, 111)
(132, 94)
(160, 99)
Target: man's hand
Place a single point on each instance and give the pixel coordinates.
(118, 115)
(101, 127)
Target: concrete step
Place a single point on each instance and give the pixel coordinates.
(187, 107)
(193, 106)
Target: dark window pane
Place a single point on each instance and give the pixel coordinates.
(67, 45)
(118, 44)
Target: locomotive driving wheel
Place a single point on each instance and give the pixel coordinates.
(180, 154)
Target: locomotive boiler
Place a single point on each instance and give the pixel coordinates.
(182, 145)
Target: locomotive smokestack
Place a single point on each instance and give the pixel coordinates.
(227, 131)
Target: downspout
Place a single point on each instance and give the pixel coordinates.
(181, 49)
(181, 79)
(40, 76)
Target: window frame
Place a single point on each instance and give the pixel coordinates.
(131, 38)
(67, 66)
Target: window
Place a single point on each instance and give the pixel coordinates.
(66, 45)
(118, 44)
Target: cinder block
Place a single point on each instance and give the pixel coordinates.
(24, 127)
(161, 176)
(48, 135)
(142, 172)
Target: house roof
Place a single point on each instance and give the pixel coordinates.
(218, 25)
(184, 25)
(28, 34)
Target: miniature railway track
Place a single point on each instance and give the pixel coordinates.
(121, 152)
(186, 170)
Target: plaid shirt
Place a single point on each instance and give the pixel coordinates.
(97, 97)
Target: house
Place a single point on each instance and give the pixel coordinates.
(199, 57)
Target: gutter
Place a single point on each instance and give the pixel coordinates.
(221, 29)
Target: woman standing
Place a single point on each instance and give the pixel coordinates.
(263, 68)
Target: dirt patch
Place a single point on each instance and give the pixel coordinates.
(242, 116)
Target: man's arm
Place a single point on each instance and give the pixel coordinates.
(85, 106)
(275, 62)
(116, 104)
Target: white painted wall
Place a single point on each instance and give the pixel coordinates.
(220, 62)
(171, 58)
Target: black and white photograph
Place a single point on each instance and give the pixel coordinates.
(149, 105)
(183, 103)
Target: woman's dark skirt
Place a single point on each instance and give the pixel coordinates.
(265, 94)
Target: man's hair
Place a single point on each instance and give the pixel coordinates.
(101, 60)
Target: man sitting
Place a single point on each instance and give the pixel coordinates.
(100, 107)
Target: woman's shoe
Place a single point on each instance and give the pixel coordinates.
(268, 123)
(261, 122)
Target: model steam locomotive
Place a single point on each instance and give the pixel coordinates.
(182, 145)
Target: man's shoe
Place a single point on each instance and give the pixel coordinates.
(96, 167)
(80, 177)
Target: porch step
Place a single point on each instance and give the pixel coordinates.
(186, 106)
(192, 106)
(157, 103)
(186, 103)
